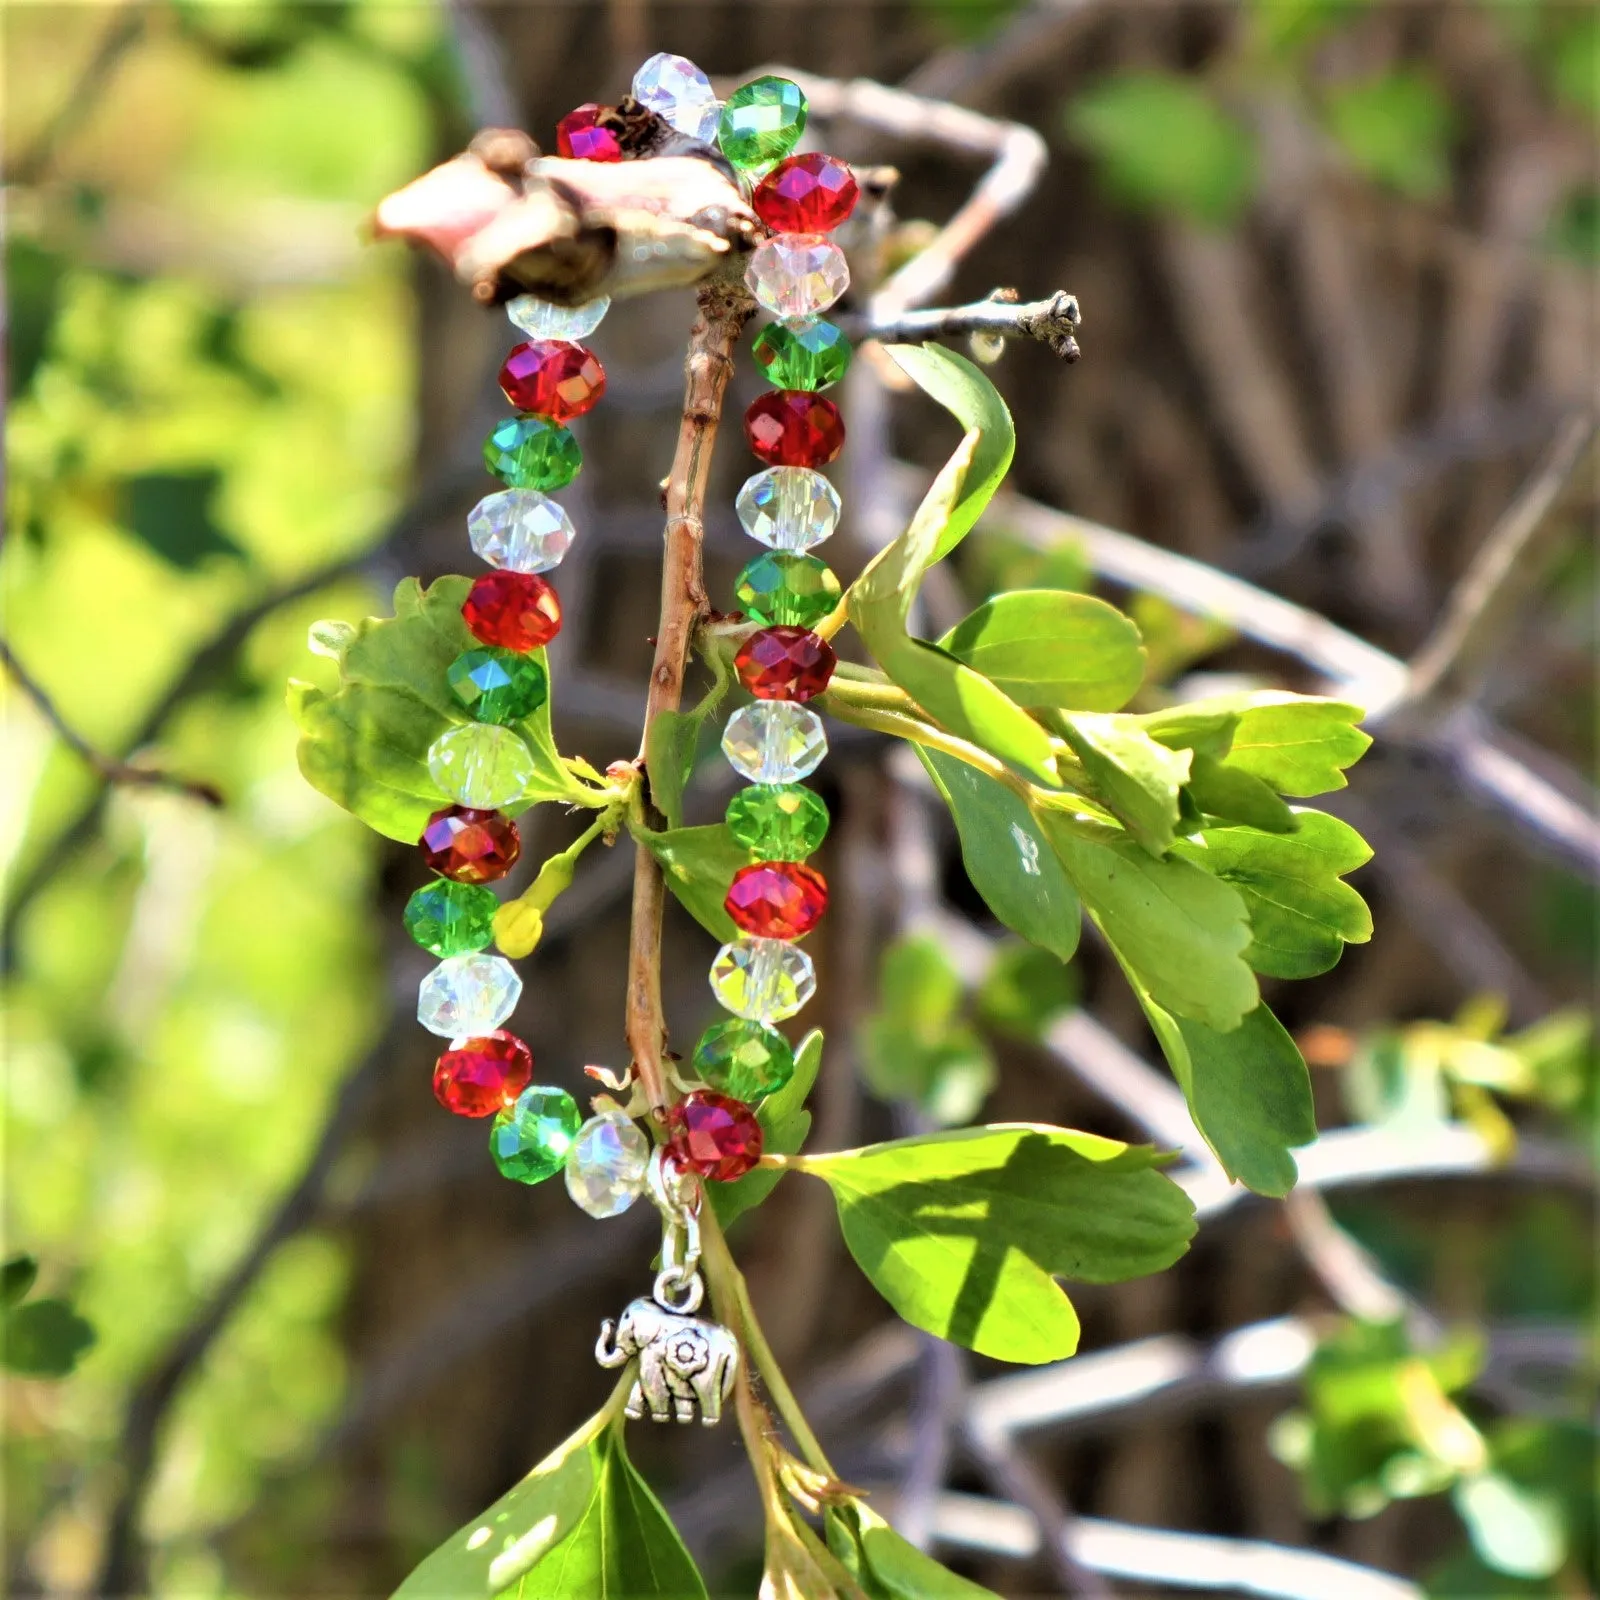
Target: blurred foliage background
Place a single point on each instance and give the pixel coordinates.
(1336, 265)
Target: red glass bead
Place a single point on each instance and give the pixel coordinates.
(794, 428)
(806, 194)
(514, 610)
(477, 1077)
(578, 139)
(553, 378)
(785, 663)
(777, 899)
(714, 1135)
(470, 846)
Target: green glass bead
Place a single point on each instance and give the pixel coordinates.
(744, 1059)
(802, 355)
(780, 586)
(498, 685)
(530, 1139)
(778, 821)
(761, 122)
(532, 453)
(451, 919)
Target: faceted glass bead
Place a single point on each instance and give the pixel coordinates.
(479, 764)
(802, 355)
(774, 741)
(553, 378)
(477, 1077)
(714, 1135)
(500, 685)
(470, 846)
(521, 530)
(764, 980)
(785, 663)
(797, 274)
(578, 139)
(607, 1163)
(743, 1059)
(777, 899)
(780, 586)
(812, 193)
(762, 122)
(532, 453)
(530, 1139)
(544, 319)
(451, 919)
(678, 91)
(465, 996)
(792, 428)
(515, 610)
(778, 821)
(788, 508)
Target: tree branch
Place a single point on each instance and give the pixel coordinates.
(724, 310)
(112, 770)
(1051, 321)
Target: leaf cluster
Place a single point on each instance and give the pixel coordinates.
(39, 1338)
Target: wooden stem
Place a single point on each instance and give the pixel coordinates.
(724, 310)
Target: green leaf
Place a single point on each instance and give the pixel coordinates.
(785, 1122)
(1203, 726)
(172, 513)
(1301, 912)
(1300, 744)
(1164, 143)
(670, 746)
(1248, 1092)
(623, 1547)
(44, 1338)
(498, 1547)
(1006, 856)
(1179, 930)
(1136, 778)
(1024, 991)
(1396, 129)
(366, 745)
(914, 1048)
(1049, 647)
(961, 700)
(698, 864)
(17, 1277)
(967, 394)
(964, 1233)
(1234, 796)
(894, 1567)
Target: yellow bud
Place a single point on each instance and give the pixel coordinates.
(554, 876)
(518, 927)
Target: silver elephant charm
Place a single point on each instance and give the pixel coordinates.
(685, 1362)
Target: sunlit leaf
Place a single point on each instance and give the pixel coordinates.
(893, 1568)
(965, 1233)
(698, 865)
(1133, 776)
(1300, 744)
(1230, 795)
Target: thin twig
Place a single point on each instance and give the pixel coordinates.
(1450, 667)
(114, 772)
(1051, 321)
(724, 311)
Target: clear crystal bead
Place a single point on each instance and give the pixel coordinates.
(606, 1164)
(541, 319)
(774, 741)
(788, 508)
(521, 530)
(765, 980)
(679, 91)
(467, 996)
(795, 275)
(479, 764)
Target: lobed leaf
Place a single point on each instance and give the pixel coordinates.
(1136, 778)
(1302, 913)
(964, 1233)
(1049, 647)
(1299, 744)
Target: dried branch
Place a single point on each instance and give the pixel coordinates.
(1051, 321)
(112, 771)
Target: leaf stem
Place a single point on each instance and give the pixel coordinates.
(724, 310)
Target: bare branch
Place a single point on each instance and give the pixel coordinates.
(124, 774)
(1051, 321)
